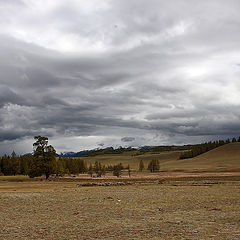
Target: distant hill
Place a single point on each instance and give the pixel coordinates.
(122, 150)
(74, 154)
(223, 158)
(226, 157)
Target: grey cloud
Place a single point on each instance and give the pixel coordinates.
(127, 139)
(18, 134)
(163, 70)
(8, 96)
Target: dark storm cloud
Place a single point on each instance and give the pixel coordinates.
(7, 135)
(101, 71)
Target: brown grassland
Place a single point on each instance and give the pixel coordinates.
(224, 158)
(198, 199)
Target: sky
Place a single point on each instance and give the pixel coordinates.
(93, 74)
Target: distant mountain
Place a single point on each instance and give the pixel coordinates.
(119, 150)
(27, 154)
(144, 147)
(94, 152)
(74, 154)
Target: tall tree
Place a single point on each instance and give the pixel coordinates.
(44, 161)
(90, 170)
(141, 165)
(15, 164)
(117, 170)
(61, 167)
(129, 170)
(6, 166)
(153, 166)
(98, 169)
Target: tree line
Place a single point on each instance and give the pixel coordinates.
(205, 147)
(44, 162)
(27, 165)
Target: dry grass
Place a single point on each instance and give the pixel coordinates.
(220, 159)
(197, 200)
(190, 209)
(133, 160)
(225, 158)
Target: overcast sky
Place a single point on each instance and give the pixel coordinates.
(95, 73)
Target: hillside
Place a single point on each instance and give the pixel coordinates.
(226, 157)
(132, 159)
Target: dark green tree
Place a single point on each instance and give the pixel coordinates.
(15, 164)
(44, 160)
(82, 168)
(228, 141)
(72, 165)
(6, 166)
(24, 162)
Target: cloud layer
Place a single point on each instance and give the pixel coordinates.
(110, 73)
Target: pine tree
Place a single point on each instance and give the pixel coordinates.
(153, 166)
(61, 167)
(24, 162)
(129, 170)
(141, 165)
(15, 164)
(103, 170)
(6, 165)
(44, 160)
(117, 170)
(228, 141)
(90, 170)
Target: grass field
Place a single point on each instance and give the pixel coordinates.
(132, 160)
(177, 209)
(224, 158)
(198, 198)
